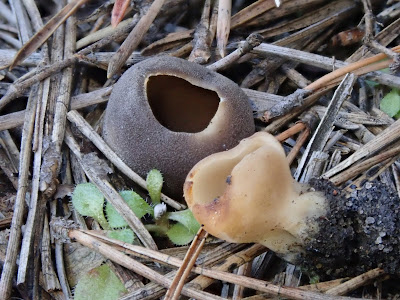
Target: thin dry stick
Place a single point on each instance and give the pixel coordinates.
(347, 69)
(190, 258)
(358, 168)
(102, 33)
(355, 282)
(133, 39)
(32, 221)
(201, 282)
(134, 265)
(238, 290)
(253, 40)
(16, 119)
(201, 50)
(324, 286)
(17, 88)
(299, 143)
(146, 253)
(19, 207)
(291, 131)
(380, 141)
(321, 61)
(369, 35)
(251, 12)
(49, 275)
(223, 25)
(74, 117)
(41, 36)
(256, 284)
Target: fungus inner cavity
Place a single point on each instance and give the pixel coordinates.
(179, 105)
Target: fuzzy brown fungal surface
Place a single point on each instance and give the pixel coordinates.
(360, 232)
(168, 113)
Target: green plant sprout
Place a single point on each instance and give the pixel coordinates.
(89, 201)
(390, 104)
(99, 283)
(180, 233)
(136, 203)
(154, 182)
(125, 235)
(180, 227)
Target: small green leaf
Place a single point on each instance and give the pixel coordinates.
(89, 201)
(154, 182)
(390, 104)
(136, 203)
(186, 218)
(180, 235)
(125, 235)
(99, 283)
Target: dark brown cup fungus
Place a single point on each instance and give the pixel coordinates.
(168, 113)
(247, 194)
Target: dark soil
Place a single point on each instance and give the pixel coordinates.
(360, 232)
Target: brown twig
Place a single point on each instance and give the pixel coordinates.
(253, 40)
(190, 258)
(291, 131)
(360, 167)
(303, 136)
(355, 282)
(133, 39)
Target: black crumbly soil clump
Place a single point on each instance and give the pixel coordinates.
(360, 232)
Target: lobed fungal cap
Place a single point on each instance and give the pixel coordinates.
(247, 194)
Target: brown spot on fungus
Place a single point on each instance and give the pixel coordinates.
(168, 113)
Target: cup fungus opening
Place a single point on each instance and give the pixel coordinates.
(179, 105)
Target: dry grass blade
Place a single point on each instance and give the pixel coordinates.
(291, 131)
(118, 11)
(223, 25)
(190, 258)
(133, 39)
(41, 36)
(381, 141)
(347, 69)
(15, 234)
(251, 11)
(356, 169)
(325, 127)
(312, 17)
(355, 283)
(286, 8)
